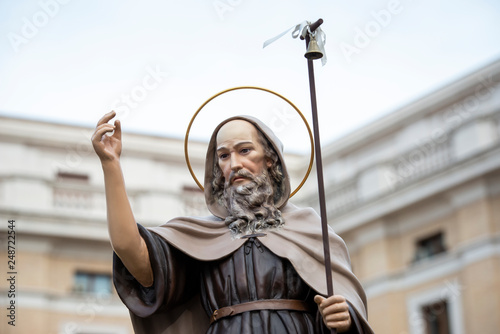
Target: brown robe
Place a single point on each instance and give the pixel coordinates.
(251, 273)
(174, 305)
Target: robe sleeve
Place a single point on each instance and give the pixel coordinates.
(175, 278)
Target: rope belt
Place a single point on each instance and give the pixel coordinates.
(264, 304)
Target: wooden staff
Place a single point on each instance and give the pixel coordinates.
(319, 166)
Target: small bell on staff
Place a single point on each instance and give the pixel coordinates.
(313, 50)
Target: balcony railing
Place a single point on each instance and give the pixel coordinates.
(403, 170)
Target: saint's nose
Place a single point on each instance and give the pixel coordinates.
(235, 162)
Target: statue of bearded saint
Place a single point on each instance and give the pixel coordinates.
(222, 273)
(251, 206)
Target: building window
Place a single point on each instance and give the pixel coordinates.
(436, 318)
(92, 283)
(437, 309)
(71, 191)
(72, 177)
(429, 246)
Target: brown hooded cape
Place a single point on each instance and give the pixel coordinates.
(208, 238)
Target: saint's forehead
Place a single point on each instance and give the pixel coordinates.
(236, 130)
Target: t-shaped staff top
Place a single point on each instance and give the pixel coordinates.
(312, 28)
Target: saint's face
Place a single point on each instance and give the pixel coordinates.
(238, 147)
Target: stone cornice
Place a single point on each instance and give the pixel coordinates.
(474, 167)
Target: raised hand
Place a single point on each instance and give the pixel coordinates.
(108, 148)
(124, 235)
(335, 312)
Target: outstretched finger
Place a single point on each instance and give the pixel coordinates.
(118, 129)
(106, 117)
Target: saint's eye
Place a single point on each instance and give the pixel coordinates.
(223, 155)
(245, 150)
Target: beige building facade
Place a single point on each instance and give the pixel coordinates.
(415, 195)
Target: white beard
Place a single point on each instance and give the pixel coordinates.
(251, 207)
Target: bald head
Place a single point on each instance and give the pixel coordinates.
(237, 129)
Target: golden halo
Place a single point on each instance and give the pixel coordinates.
(186, 154)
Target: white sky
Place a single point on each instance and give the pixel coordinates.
(72, 62)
